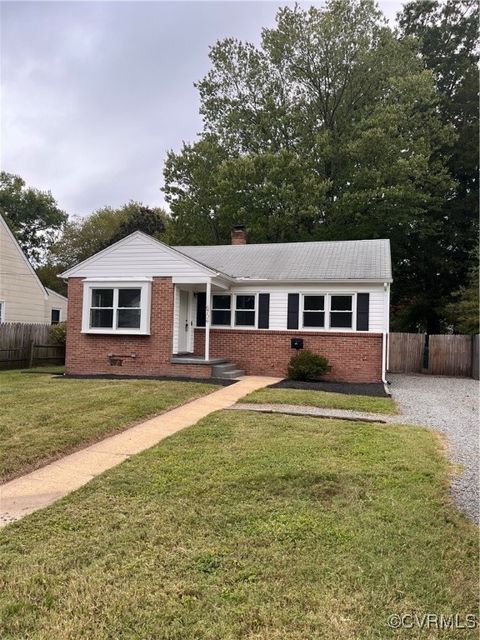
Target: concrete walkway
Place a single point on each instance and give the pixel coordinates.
(44, 486)
(319, 412)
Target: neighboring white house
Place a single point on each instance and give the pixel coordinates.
(23, 298)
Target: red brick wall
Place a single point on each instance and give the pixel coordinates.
(88, 354)
(354, 357)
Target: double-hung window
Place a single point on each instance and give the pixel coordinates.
(221, 310)
(122, 308)
(245, 310)
(341, 312)
(54, 316)
(314, 311)
(115, 308)
(129, 309)
(328, 311)
(101, 309)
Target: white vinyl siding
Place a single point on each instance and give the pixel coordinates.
(279, 302)
(139, 256)
(25, 299)
(56, 301)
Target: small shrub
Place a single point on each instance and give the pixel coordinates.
(307, 366)
(58, 333)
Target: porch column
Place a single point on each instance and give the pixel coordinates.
(208, 299)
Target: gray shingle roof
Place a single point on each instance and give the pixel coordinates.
(344, 260)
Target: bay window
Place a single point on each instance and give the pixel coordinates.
(245, 310)
(116, 307)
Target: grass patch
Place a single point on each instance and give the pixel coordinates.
(262, 527)
(324, 399)
(43, 417)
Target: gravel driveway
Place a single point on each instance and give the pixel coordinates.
(451, 406)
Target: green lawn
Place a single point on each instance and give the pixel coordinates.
(324, 399)
(43, 417)
(247, 526)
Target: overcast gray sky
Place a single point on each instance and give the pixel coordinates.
(95, 93)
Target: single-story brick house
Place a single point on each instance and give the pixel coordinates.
(141, 307)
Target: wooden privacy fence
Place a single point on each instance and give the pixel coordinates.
(475, 357)
(445, 355)
(406, 352)
(24, 345)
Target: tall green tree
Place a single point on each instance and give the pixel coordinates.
(82, 237)
(32, 215)
(446, 35)
(463, 311)
(329, 130)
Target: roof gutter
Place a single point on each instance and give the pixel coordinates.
(313, 280)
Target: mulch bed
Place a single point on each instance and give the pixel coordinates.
(359, 389)
(223, 382)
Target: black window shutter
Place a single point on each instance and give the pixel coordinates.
(363, 304)
(292, 313)
(263, 310)
(201, 303)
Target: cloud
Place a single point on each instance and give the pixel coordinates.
(95, 93)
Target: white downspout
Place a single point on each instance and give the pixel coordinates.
(208, 298)
(388, 327)
(384, 333)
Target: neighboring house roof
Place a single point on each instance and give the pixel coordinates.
(51, 292)
(341, 260)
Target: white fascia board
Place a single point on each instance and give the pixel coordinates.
(190, 280)
(117, 279)
(220, 282)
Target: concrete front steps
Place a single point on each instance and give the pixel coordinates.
(221, 367)
(227, 370)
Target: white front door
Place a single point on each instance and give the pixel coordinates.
(184, 322)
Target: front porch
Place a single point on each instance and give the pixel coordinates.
(187, 293)
(188, 296)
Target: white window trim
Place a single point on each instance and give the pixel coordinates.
(255, 310)
(222, 326)
(233, 309)
(353, 312)
(3, 304)
(143, 284)
(59, 315)
(325, 312)
(327, 307)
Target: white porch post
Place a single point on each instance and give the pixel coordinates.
(208, 298)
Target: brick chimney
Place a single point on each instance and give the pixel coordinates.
(239, 235)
